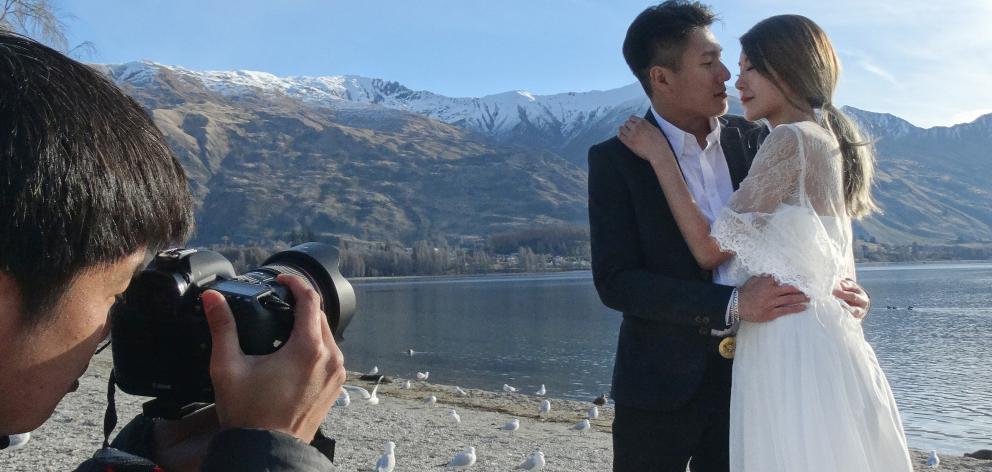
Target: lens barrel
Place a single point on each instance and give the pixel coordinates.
(318, 264)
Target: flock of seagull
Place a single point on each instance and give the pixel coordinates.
(467, 457)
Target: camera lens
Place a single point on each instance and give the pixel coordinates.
(316, 263)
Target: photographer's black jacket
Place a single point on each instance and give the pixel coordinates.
(240, 449)
(233, 449)
(262, 450)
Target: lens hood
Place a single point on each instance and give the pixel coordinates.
(319, 264)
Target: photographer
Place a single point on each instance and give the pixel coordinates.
(88, 188)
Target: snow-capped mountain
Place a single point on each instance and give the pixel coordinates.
(556, 122)
(263, 162)
(878, 124)
(492, 114)
(399, 163)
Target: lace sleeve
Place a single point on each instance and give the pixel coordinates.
(772, 224)
(774, 175)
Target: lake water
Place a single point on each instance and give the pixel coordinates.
(525, 330)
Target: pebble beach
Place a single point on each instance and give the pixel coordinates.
(426, 437)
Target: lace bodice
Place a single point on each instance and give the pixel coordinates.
(788, 218)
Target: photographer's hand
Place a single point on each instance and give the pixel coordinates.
(290, 390)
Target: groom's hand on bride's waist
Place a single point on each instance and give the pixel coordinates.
(763, 299)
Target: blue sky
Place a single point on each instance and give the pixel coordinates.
(927, 62)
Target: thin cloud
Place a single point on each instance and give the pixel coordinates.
(878, 71)
(969, 115)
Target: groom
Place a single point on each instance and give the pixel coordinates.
(670, 384)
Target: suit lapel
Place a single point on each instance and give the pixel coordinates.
(734, 151)
(651, 119)
(739, 150)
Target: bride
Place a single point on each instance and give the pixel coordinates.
(808, 393)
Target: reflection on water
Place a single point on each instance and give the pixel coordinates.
(937, 355)
(482, 332)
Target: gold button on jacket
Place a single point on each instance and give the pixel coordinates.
(727, 346)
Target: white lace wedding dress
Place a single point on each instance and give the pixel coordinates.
(808, 394)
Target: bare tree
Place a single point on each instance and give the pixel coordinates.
(40, 20)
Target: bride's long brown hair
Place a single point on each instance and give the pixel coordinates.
(795, 54)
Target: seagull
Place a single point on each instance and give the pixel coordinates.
(423, 375)
(373, 399)
(388, 459)
(343, 399)
(463, 459)
(600, 400)
(534, 462)
(358, 391)
(460, 392)
(15, 441)
(541, 391)
(933, 461)
(375, 370)
(594, 412)
(431, 400)
(511, 425)
(545, 408)
(509, 389)
(454, 415)
(582, 426)
(407, 385)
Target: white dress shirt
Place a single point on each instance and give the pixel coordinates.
(706, 173)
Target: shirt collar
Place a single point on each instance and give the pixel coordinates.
(678, 137)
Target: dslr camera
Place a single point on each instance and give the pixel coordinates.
(159, 334)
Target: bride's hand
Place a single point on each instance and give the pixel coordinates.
(645, 140)
(855, 296)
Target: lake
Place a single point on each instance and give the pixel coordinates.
(525, 330)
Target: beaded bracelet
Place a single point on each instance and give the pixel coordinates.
(735, 307)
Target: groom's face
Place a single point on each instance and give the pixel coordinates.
(699, 87)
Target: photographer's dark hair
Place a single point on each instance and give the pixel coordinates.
(85, 176)
(659, 35)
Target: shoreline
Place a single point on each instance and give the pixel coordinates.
(425, 436)
(413, 278)
(401, 278)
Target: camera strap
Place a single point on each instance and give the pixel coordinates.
(110, 416)
(108, 459)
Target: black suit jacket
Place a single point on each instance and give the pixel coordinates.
(643, 268)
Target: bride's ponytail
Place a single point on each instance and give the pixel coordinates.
(858, 158)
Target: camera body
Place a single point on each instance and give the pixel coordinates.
(159, 334)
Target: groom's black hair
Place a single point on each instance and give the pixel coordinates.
(86, 178)
(658, 36)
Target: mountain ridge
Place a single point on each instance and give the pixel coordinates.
(929, 180)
